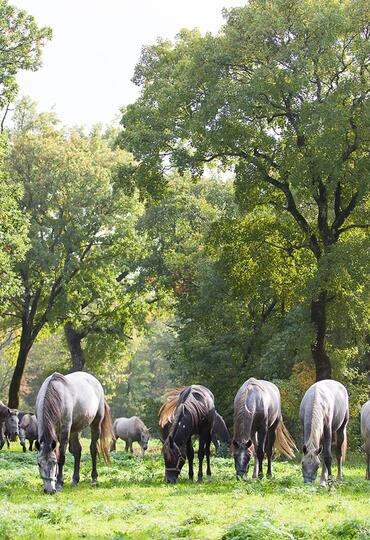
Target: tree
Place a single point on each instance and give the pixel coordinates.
(70, 193)
(21, 41)
(281, 97)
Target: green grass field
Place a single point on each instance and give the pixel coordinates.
(133, 502)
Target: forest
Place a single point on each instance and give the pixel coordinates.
(217, 231)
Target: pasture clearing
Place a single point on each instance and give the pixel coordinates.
(132, 502)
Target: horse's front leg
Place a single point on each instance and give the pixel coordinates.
(202, 443)
(75, 448)
(255, 460)
(323, 475)
(262, 433)
(190, 456)
(64, 436)
(327, 452)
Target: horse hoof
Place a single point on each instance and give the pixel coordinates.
(200, 479)
(58, 487)
(74, 483)
(323, 484)
(94, 483)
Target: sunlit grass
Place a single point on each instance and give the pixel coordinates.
(133, 502)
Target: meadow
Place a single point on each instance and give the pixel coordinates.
(132, 502)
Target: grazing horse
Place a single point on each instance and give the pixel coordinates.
(130, 430)
(365, 431)
(324, 412)
(65, 405)
(9, 424)
(27, 430)
(258, 422)
(220, 433)
(188, 411)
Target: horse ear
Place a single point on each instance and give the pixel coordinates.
(318, 451)
(235, 444)
(249, 443)
(53, 445)
(304, 449)
(170, 440)
(37, 444)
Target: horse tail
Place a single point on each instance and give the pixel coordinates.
(106, 433)
(344, 446)
(284, 442)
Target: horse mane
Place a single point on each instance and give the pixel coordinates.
(167, 411)
(197, 408)
(316, 423)
(240, 406)
(52, 408)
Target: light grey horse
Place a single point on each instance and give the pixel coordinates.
(324, 412)
(65, 405)
(258, 422)
(8, 422)
(130, 430)
(365, 431)
(28, 430)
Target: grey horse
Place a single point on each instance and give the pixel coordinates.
(220, 434)
(130, 430)
(365, 431)
(258, 422)
(28, 430)
(323, 412)
(65, 405)
(8, 423)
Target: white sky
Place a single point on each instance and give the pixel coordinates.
(88, 65)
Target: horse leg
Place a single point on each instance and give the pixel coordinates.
(95, 434)
(126, 445)
(367, 476)
(113, 445)
(131, 450)
(62, 457)
(190, 456)
(323, 475)
(208, 454)
(31, 444)
(255, 460)
(270, 443)
(215, 442)
(75, 449)
(327, 452)
(262, 433)
(202, 443)
(341, 433)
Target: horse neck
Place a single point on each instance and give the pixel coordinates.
(180, 433)
(49, 412)
(314, 427)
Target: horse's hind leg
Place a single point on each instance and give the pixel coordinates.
(190, 456)
(327, 452)
(341, 434)
(75, 449)
(270, 443)
(95, 434)
(208, 454)
(262, 433)
(202, 443)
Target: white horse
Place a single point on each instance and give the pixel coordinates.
(324, 412)
(365, 431)
(65, 405)
(258, 422)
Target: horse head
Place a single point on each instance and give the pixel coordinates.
(174, 459)
(12, 423)
(47, 460)
(310, 463)
(242, 453)
(144, 439)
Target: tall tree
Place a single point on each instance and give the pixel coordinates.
(280, 96)
(70, 194)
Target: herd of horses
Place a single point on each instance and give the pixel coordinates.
(68, 404)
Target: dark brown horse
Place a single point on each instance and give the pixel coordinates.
(188, 411)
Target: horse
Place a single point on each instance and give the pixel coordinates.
(9, 424)
(5, 435)
(188, 411)
(130, 430)
(65, 405)
(365, 431)
(258, 423)
(220, 433)
(324, 411)
(28, 430)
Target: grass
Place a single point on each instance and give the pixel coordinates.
(132, 502)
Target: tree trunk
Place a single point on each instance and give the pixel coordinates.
(319, 353)
(74, 339)
(15, 383)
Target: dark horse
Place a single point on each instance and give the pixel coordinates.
(65, 406)
(220, 434)
(188, 411)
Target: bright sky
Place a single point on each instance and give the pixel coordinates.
(88, 66)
